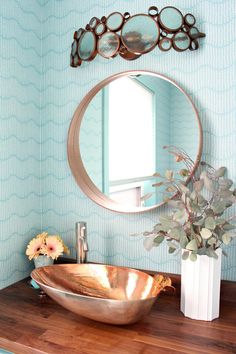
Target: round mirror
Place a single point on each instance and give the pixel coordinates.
(140, 34)
(171, 19)
(117, 135)
(87, 45)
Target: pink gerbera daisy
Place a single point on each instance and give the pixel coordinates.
(53, 247)
(34, 248)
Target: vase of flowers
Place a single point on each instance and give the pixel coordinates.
(197, 226)
(45, 248)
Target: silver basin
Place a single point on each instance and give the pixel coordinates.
(104, 293)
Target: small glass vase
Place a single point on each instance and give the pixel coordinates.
(42, 261)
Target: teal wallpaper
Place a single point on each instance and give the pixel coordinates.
(20, 211)
(39, 93)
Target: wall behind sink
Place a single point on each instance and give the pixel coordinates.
(207, 75)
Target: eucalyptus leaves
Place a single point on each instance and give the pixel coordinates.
(197, 223)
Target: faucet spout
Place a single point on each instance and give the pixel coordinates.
(81, 241)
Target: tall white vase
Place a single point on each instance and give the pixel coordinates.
(200, 287)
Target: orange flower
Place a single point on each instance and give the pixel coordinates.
(42, 236)
(53, 247)
(34, 248)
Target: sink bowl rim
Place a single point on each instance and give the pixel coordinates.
(92, 297)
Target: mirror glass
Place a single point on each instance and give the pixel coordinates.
(118, 143)
(171, 18)
(181, 41)
(140, 34)
(108, 44)
(87, 45)
(114, 21)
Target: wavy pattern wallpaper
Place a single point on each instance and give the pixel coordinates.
(39, 95)
(20, 211)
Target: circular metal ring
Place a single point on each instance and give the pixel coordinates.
(100, 28)
(93, 22)
(190, 20)
(117, 26)
(126, 15)
(114, 41)
(136, 38)
(168, 29)
(153, 11)
(165, 44)
(178, 38)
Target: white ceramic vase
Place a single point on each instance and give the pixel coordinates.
(200, 287)
(42, 261)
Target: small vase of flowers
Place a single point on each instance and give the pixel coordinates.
(45, 248)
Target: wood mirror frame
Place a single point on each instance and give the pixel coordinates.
(74, 156)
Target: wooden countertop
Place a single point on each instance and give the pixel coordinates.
(29, 326)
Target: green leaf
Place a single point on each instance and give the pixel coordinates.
(227, 226)
(171, 250)
(185, 255)
(177, 233)
(211, 253)
(158, 240)
(172, 245)
(209, 212)
(202, 251)
(220, 172)
(218, 207)
(209, 184)
(199, 222)
(183, 241)
(205, 233)
(195, 208)
(192, 245)
(212, 241)
(224, 253)
(202, 202)
(226, 194)
(181, 216)
(220, 221)
(210, 223)
(193, 257)
(225, 183)
(226, 238)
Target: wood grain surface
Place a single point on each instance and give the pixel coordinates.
(30, 326)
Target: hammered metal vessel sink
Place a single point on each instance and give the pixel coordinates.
(104, 293)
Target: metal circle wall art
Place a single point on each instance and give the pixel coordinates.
(131, 36)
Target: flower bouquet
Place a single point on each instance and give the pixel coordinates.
(45, 246)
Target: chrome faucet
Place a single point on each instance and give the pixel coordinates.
(81, 241)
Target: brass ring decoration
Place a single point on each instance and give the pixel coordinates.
(131, 36)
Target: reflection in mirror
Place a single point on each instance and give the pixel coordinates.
(123, 132)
